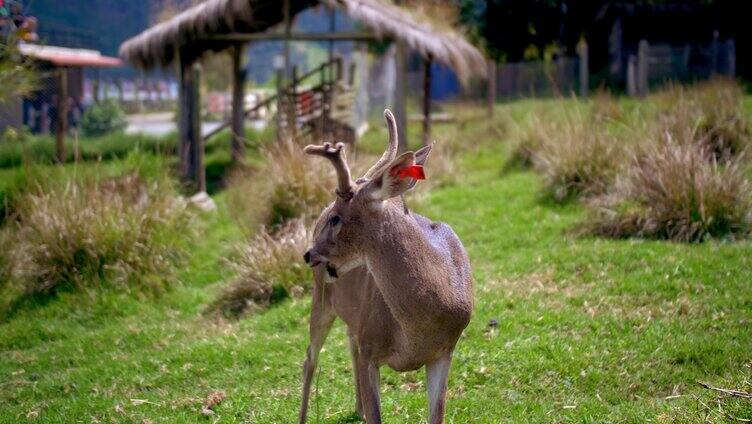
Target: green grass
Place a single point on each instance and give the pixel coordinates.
(590, 330)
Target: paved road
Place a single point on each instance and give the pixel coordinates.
(159, 124)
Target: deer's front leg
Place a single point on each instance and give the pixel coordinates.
(437, 375)
(355, 355)
(322, 317)
(368, 385)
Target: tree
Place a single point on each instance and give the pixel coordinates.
(17, 75)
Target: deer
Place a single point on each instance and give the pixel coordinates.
(401, 282)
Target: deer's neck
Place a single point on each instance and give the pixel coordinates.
(414, 275)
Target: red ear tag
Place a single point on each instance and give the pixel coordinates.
(413, 171)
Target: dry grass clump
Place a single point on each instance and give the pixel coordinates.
(712, 111)
(675, 190)
(576, 156)
(289, 185)
(122, 230)
(605, 107)
(530, 140)
(269, 268)
(724, 122)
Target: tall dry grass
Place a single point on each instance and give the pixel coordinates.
(268, 268)
(125, 231)
(712, 111)
(289, 185)
(675, 190)
(575, 155)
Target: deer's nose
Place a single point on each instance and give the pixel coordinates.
(307, 257)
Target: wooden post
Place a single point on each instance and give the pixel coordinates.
(280, 106)
(184, 147)
(427, 101)
(731, 58)
(120, 90)
(191, 142)
(642, 68)
(324, 104)
(400, 94)
(292, 116)
(714, 54)
(632, 75)
(491, 87)
(95, 86)
(582, 52)
(332, 28)
(288, 34)
(62, 116)
(197, 141)
(238, 103)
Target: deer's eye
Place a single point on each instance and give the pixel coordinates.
(334, 220)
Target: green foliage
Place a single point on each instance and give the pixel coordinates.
(19, 147)
(103, 118)
(611, 327)
(17, 76)
(589, 329)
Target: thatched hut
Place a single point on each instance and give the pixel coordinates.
(217, 25)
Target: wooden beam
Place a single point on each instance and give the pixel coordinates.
(62, 116)
(309, 36)
(238, 104)
(400, 94)
(427, 101)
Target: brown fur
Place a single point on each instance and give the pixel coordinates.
(400, 282)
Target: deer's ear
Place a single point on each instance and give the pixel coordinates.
(396, 178)
(421, 156)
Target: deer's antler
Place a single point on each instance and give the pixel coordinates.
(391, 151)
(336, 155)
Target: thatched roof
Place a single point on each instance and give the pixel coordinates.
(156, 47)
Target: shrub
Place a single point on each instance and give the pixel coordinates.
(288, 185)
(724, 122)
(675, 190)
(269, 268)
(529, 141)
(103, 118)
(711, 112)
(575, 156)
(77, 234)
(18, 147)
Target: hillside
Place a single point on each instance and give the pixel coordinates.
(104, 25)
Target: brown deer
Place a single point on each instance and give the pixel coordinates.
(401, 282)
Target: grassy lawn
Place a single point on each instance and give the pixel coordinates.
(589, 330)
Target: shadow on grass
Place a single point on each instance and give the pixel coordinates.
(352, 417)
(27, 302)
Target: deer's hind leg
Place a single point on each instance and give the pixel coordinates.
(322, 318)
